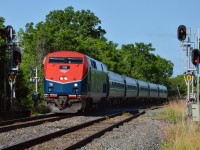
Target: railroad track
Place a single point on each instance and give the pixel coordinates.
(76, 136)
(31, 121)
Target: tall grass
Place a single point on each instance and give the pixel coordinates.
(174, 112)
(180, 134)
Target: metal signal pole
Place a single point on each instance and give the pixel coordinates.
(188, 67)
(5, 81)
(198, 72)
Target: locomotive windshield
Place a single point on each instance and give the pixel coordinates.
(65, 60)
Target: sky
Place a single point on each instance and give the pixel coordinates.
(125, 21)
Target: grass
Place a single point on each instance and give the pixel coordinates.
(180, 134)
(174, 112)
(41, 109)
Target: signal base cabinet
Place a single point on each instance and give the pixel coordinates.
(195, 112)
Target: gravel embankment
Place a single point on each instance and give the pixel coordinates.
(144, 133)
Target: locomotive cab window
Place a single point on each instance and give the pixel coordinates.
(56, 60)
(73, 60)
(93, 64)
(65, 60)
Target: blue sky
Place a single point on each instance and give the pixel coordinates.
(125, 21)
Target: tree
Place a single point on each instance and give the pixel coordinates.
(139, 62)
(62, 30)
(2, 54)
(172, 84)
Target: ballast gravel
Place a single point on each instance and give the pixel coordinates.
(144, 133)
(23, 134)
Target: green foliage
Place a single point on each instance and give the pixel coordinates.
(172, 84)
(165, 146)
(139, 62)
(2, 56)
(171, 116)
(40, 109)
(23, 91)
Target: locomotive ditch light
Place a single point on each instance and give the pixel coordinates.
(51, 89)
(75, 84)
(50, 84)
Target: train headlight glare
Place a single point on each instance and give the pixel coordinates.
(65, 78)
(75, 84)
(61, 78)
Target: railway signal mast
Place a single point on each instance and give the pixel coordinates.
(193, 55)
(8, 34)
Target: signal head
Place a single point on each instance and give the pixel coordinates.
(16, 57)
(195, 57)
(181, 33)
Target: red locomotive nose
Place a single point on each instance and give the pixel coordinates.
(65, 66)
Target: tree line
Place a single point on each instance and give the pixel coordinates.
(81, 31)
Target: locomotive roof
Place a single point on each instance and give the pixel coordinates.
(71, 53)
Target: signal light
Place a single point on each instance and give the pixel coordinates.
(7, 33)
(181, 33)
(16, 57)
(195, 57)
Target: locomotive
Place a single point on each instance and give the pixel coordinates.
(74, 82)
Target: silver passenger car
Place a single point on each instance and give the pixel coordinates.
(116, 86)
(163, 92)
(154, 92)
(143, 89)
(131, 88)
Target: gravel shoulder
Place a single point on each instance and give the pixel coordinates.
(140, 134)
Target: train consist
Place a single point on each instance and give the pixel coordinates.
(74, 82)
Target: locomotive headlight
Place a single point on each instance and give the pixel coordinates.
(63, 78)
(75, 84)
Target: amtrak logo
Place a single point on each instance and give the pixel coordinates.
(64, 70)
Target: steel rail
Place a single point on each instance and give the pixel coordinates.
(9, 122)
(37, 121)
(44, 138)
(87, 140)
